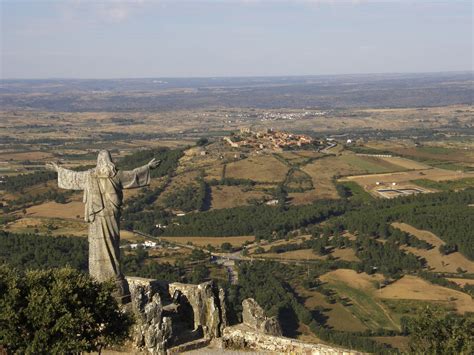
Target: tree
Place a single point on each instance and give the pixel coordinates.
(202, 141)
(227, 247)
(58, 311)
(200, 274)
(430, 333)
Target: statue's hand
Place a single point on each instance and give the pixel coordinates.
(52, 166)
(153, 164)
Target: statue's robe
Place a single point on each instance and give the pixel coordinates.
(103, 201)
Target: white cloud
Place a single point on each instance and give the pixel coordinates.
(110, 11)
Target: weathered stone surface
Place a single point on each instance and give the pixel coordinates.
(164, 321)
(103, 199)
(254, 317)
(152, 330)
(243, 337)
(205, 304)
(223, 309)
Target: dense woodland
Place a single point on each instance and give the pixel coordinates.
(33, 251)
(367, 220)
(19, 182)
(264, 221)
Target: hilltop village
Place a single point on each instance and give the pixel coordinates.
(268, 139)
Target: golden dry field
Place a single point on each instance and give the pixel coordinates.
(71, 210)
(31, 155)
(404, 163)
(361, 289)
(347, 254)
(232, 196)
(323, 171)
(415, 288)
(436, 261)
(258, 168)
(53, 226)
(339, 317)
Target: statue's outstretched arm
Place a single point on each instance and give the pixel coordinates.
(138, 177)
(69, 179)
(153, 164)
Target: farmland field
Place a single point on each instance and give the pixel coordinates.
(415, 288)
(360, 290)
(339, 317)
(53, 226)
(370, 165)
(258, 168)
(232, 196)
(73, 209)
(405, 163)
(435, 260)
(434, 174)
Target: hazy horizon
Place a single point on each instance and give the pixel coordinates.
(246, 76)
(119, 39)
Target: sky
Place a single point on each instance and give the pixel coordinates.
(198, 38)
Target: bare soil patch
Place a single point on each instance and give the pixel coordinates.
(354, 279)
(415, 288)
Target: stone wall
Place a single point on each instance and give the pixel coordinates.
(242, 336)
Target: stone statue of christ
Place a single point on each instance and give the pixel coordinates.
(103, 197)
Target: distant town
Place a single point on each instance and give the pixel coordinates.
(268, 139)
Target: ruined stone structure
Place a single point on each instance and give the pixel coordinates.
(254, 317)
(174, 317)
(170, 315)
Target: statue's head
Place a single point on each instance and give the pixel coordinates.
(105, 165)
